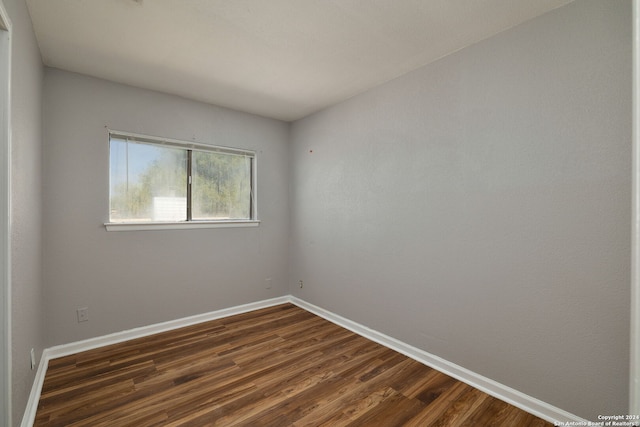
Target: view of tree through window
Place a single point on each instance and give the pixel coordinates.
(150, 183)
(221, 186)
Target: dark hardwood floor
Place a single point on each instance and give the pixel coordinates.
(279, 366)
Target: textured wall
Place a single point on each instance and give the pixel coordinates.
(26, 203)
(136, 278)
(479, 208)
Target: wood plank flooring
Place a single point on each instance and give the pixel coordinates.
(279, 366)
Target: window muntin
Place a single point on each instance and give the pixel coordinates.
(156, 180)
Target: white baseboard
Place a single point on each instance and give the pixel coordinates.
(91, 343)
(514, 397)
(32, 404)
(493, 388)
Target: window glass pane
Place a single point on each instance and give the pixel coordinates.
(148, 182)
(221, 186)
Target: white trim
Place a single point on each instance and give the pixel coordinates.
(34, 397)
(179, 143)
(493, 388)
(634, 368)
(118, 337)
(6, 407)
(144, 331)
(514, 397)
(144, 226)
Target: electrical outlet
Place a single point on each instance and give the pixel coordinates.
(301, 283)
(267, 283)
(33, 359)
(83, 314)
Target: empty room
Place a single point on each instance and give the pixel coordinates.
(319, 212)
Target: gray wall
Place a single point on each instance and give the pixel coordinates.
(136, 278)
(26, 203)
(479, 208)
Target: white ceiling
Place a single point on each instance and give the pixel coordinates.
(277, 58)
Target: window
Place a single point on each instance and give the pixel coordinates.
(160, 182)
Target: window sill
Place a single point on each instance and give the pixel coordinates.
(140, 226)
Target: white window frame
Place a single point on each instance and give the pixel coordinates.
(189, 224)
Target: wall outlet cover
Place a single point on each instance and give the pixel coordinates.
(83, 314)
